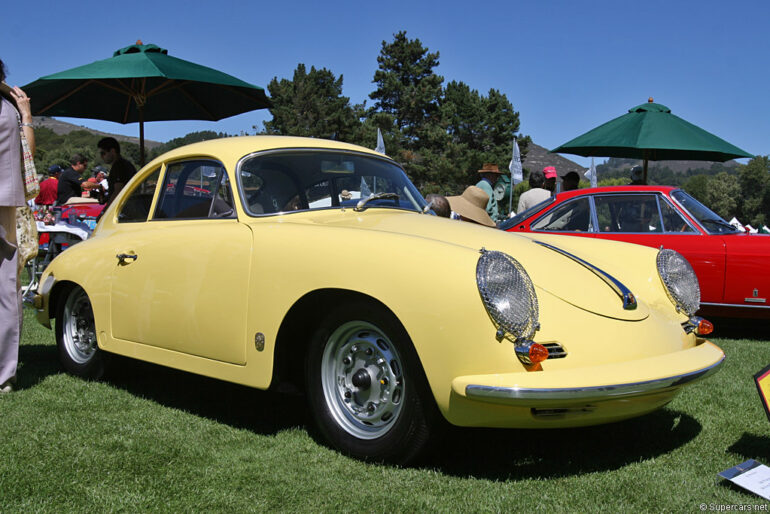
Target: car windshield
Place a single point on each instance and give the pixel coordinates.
(301, 180)
(709, 220)
(505, 225)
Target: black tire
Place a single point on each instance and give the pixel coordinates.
(76, 335)
(366, 387)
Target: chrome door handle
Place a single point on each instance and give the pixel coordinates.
(123, 257)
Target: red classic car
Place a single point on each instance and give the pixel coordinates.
(733, 267)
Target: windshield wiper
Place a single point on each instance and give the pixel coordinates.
(374, 196)
(720, 223)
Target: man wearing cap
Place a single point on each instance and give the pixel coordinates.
(489, 175)
(471, 206)
(550, 178)
(537, 192)
(49, 187)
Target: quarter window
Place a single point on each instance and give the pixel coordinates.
(672, 220)
(195, 189)
(137, 206)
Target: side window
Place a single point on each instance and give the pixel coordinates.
(193, 190)
(137, 205)
(574, 216)
(672, 220)
(628, 213)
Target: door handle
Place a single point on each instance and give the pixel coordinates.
(123, 257)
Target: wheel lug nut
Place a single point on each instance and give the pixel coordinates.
(354, 349)
(370, 407)
(346, 361)
(347, 393)
(368, 351)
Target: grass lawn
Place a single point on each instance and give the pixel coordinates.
(153, 439)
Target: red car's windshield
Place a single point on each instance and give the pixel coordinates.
(709, 220)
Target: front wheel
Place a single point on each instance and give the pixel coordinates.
(366, 387)
(76, 335)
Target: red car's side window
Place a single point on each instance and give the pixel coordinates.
(628, 213)
(573, 216)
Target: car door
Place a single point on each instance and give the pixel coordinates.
(650, 219)
(748, 262)
(182, 271)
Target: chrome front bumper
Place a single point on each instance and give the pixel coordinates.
(531, 389)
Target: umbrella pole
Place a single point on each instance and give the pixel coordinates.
(510, 196)
(645, 171)
(141, 137)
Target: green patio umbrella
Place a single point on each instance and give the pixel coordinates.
(650, 132)
(143, 83)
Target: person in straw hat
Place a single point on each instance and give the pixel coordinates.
(471, 206)
(489, 174)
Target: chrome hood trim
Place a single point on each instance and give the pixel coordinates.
(625, 294)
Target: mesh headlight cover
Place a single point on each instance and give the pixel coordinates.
(508, 294)
(680, 281)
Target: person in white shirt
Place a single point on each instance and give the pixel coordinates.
(536, 193)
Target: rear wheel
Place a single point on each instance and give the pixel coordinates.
(76, 335)
(366, 387)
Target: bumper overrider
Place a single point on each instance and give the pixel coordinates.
(615, 381)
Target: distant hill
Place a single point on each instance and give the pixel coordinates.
(539, 157)
(623, 165)
(62, 127)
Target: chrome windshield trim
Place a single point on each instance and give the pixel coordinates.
(625, 294)
(481, 392)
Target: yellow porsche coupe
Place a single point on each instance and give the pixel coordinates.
(276, 261)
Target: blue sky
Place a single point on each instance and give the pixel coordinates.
(567, 66)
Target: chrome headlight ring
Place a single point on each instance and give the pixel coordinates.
(680, 281)
(508, 295)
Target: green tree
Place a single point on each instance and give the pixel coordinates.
(407, 87)
(483, 126)
(697, 186)
(754, 179)
(312, 105)
(722, 194)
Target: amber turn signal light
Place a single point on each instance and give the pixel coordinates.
(531, 353)
(537, 353)
(704, 328)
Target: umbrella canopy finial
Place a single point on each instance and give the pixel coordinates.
(649, 100)
(139, 42)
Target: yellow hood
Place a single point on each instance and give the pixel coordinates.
(550, 271)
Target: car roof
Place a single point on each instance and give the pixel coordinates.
(242, 145)
(614, 189)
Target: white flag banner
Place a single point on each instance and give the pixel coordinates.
(515, 166)
(380, 143)
(591, 173)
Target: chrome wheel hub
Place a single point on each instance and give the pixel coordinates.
(362, 380)
(79, 332)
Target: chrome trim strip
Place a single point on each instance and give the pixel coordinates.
(735, 305)
(755, 300)
(625, 294)
(512, 394)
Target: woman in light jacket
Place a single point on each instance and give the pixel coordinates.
(15, 117)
